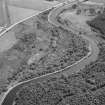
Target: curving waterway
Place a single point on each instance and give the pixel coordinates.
(92, 56)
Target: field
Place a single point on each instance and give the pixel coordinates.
(18, 13)
(32, 4)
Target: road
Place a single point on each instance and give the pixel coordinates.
(92, 56)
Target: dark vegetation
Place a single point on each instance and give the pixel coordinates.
(64, 90)
(98, 24)
(86, 87)
(101, 56)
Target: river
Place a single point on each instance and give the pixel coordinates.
(92, 56)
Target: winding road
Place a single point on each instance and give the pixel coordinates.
(90, 36)
(92, 56)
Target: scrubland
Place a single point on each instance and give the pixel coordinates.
(41, 48)
(86, 87)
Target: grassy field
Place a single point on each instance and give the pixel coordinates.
(17, 13)
(32, 4)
